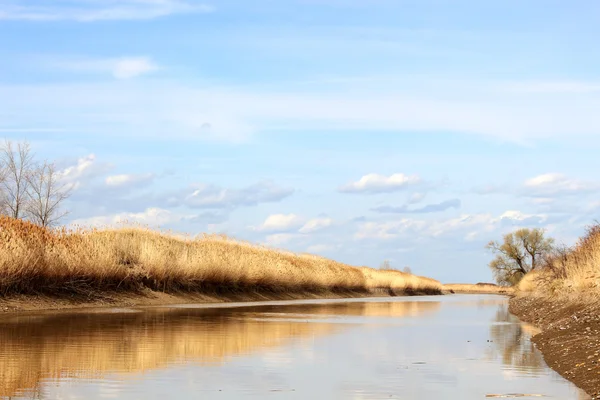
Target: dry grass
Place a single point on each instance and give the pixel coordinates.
(572, 271)
(529, 282)
(35, 260)
(478, 288)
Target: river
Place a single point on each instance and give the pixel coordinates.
(430, 347)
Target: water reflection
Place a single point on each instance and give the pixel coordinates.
(36, 349)
(512, 342)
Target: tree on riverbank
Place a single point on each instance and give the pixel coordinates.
(519, 252)
(30, 190)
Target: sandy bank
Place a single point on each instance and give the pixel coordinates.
(570, 337)
(22, 303)
(477, 288)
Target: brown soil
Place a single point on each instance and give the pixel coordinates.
(570, 337)
(147, 297)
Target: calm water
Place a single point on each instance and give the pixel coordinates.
(441, 347)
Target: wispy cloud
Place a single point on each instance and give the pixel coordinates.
(85, 169)
(152, 216)
(466, 226)
(375, 183)
(429, 208)
(553, 87)
(316, 224)
(416, 197)
(232, 114)
(215, 197)
(279, 239)
(97, 10)
(119, 68)
(280, 223)
(128, 180)
(555, 184)
(287, 223)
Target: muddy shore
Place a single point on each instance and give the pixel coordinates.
(147, 297)
(570, 337)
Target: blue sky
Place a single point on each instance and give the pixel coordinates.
(412, 131)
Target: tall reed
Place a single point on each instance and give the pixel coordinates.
(87, 261)
(574, 270)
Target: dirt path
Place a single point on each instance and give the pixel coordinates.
(570, 337)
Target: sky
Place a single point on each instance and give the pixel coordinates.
(364, 131)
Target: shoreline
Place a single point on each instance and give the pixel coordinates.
(569, 338)
(22, 303)
(68, 301)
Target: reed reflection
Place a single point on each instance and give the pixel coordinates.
(35, 349)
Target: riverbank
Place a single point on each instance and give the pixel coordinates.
(570, 337)
(563, 299)
(144, 298)
(477, 288)
(54, 269)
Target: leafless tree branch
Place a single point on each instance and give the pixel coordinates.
(16, 163)
(46, 194)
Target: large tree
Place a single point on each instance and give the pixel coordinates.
(519, 253)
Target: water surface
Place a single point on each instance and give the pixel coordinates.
(450, 347)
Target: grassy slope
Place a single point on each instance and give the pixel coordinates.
(573, 275)
(563, 299)
(91, 263)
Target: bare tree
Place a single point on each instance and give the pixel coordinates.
(407, 270)
(16, 164)
(46, 193)
(385, 265)
(519, 253)
(3, 197)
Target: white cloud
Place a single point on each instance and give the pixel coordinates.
(518, 216)
(211, 196)
(280, 223)
(465, 226)
(279, 239)
(555, 184)
(90, 11)
(85, 169)
(126, 68)
(429, 208)
(120, 68)
(316, 224)
(128, 180)
(152, 217)
(293, 223)
(416, 198)
(375, 183)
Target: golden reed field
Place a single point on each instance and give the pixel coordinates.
(89, 262)
(572, 272)
(41, 348)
